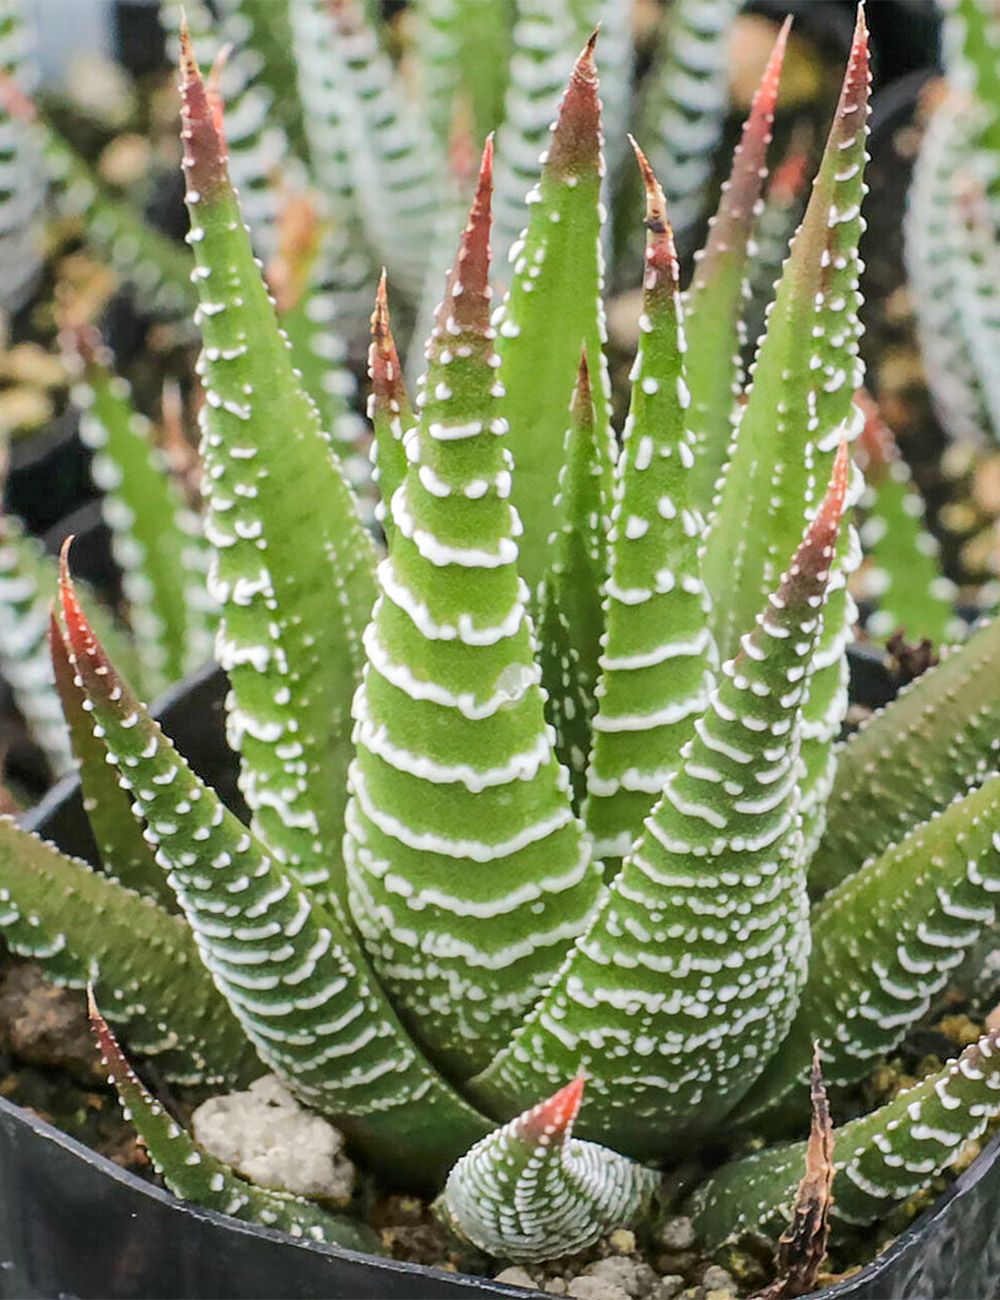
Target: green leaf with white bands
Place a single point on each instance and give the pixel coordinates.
(938, 739)
(155, 538)
(884, 944)
(27, 583)
(531, 1191)
(657, 659)
(880, 1159)
(82, 927)
(689, 974)
(192, 1173)
(469, 873)
(804, 377)
(293, 976)
(291, 556)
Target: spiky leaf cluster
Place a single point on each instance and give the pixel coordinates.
(595, 688)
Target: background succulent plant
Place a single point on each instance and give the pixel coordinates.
(592, 776)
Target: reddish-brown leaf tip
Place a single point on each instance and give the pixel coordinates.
(551, 1121)
(204, 157)
(388, 389)
(816, 550)
(466, 304)
(86, 653)
(576, 135)
(731, 227)
(661, 269)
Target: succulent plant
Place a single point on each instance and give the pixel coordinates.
(555, 867)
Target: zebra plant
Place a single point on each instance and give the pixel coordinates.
(532, 915)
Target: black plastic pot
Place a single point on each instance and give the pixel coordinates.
(74, 1224)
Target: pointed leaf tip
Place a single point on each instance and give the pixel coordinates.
(661, 254)
(467, 297)
(554, 1117)
(204, 159)
(576, 136)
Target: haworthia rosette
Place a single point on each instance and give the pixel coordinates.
(657, 659)
(532, 1191)
(290, 553)
(192, 1173)
(468, 871)
(292, 975)
(688, 977)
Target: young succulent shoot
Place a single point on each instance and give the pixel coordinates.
(575, 825)
(531, 1190)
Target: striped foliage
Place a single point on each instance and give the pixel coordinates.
(692, 1001)
(417, 931)
(531, 1187)
(901, 576)
(156, 538)
(459, 807)
(879, 1159)
(22, 181)
(657, 657)
(685, 102)
(951, 229)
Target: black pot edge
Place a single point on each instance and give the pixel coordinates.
(856, 1287)
(453, 1283)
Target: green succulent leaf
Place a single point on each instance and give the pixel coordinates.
(464, 48)
(460, 813)
(255, 141)
(883, 946)
(694, 960)
(292, 974)
(291, 555)
(194, 1174)
(571, 619)
(531, 1191)
(553, 309)
(902, 574)
(804, 377)
(156, 539)
(389, 410)
(81, 926)
(657, 660)
(937, 740)
(714, 302)
(125, 855)
(880, 1159)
